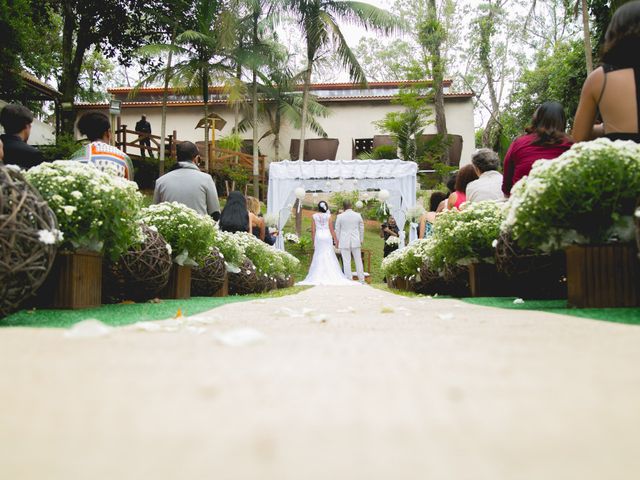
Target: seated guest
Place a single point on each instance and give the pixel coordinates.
(235, 216)
(545, 140)
(16, 121)
(612, 91)
(466, 175)
(488, 186)
(97, 128)
(188, 185)
(427, 219)
(451, 187)
(257, 222)
(389, 229)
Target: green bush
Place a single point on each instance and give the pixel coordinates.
(385, 152)
(63, 149)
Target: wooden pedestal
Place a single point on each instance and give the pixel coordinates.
(486, 281)
(179, 286)
(224, 290)
(601, 276)
(75, 281)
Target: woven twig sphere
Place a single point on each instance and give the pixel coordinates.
(208, 277)
(141, 273)
(25, 260)
(245, 281)
(430, 281)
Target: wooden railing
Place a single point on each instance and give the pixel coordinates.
(125, 139)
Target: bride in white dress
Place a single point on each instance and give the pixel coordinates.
(325, 269)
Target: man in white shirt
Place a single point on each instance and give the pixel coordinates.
(188, 185)
(488, 186)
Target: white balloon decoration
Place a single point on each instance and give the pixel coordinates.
(383, 195)
(300, 193)
(359, 204)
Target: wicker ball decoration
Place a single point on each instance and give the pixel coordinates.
(139, 274)
(430, 281)
(208, 277)
(25, 260)
(244, 282)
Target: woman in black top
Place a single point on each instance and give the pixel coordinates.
(614, 88)
(235, 216)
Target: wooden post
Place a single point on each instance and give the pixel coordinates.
(118, 132)
(124, 138)
(174, 153)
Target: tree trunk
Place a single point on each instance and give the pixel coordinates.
(165, 94)
(276, 134)
(305, 105)
(71, 62)
(437, 74)
(254, 104)
(486, 33)
(205, 98)
(256, 160)
(586, 31)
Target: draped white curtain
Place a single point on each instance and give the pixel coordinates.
(397, 176)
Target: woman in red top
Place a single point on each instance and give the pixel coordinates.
(546, 139)
(466, 175)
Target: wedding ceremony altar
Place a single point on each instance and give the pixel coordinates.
(397, 177)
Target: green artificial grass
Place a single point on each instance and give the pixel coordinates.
(629, 316)
(125, 314)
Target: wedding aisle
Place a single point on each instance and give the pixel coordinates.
(331, 383)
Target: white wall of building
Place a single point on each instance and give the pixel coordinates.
(346, 121)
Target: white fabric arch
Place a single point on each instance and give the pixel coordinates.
(399, 177)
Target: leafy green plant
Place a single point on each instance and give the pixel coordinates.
(233, 142)
(66, 145)
(585, 196)
(384, 152)
(96, 210)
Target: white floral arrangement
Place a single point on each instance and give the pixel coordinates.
(458, 238)
(406, 262)
(268, 260)
(291, 237)
(271, 220)
(587, 195)
(96, 211)
(414, 214)
(229, 248)
(393, 241)
(466, 236)
(190, 235)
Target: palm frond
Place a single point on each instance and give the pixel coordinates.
(345, 54)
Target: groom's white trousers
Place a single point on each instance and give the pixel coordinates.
(346, 262)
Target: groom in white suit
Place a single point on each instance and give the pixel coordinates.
(350, 234)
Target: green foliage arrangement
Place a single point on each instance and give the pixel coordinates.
(190, 234)
(66, 145)
(407, 261)
(233, 142)
(385, 152)
(229, 248)
(585, 196)
(96, 211)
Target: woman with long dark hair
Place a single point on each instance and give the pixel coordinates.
(466, 175)
(235, 216)
(613, 89)
(545, 140)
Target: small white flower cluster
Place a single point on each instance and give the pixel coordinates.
(50, 237)
(291, 237)
(393, 241)
(415, 213)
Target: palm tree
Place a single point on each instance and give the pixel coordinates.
(282, 102)
(202, 52)
(319, 23)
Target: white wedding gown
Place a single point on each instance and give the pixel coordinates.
(324, 269)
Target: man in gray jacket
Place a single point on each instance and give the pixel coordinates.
(188, 185)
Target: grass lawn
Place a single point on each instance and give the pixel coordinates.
(125, 314)
(372, 241)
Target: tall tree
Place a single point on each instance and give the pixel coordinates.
(114, 27)
(318, 20)
(431, 36)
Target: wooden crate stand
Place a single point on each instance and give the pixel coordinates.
(179, 286)
(600, 276)
(75, 280)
